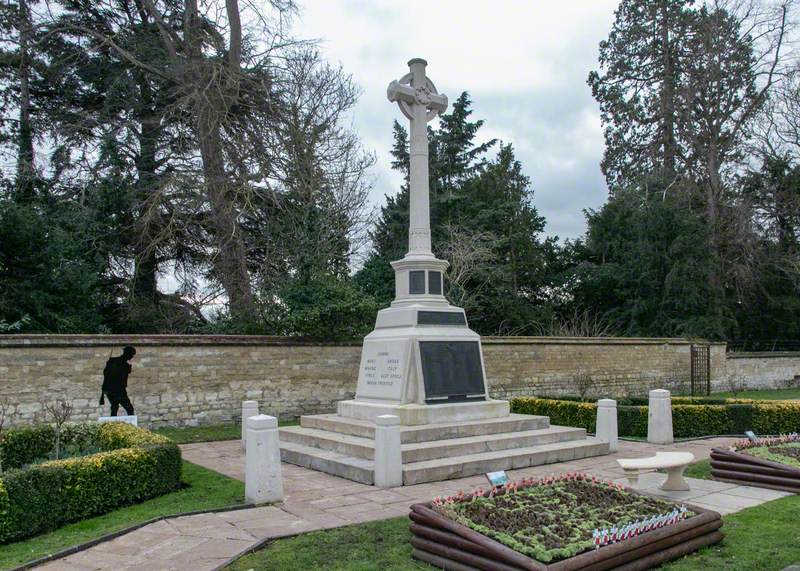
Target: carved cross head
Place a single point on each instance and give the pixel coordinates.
(415, 88)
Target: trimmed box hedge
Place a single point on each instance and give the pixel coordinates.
(690, 417)
(133, 465)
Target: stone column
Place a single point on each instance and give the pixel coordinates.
(659, 417)
(419, 235)
(607, 423)
(249, 408)
(388, 455)
(263, 481)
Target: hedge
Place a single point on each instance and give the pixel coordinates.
(690, 418)
(22, 446)
(135, 465)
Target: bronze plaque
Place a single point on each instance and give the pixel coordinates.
(451, 371)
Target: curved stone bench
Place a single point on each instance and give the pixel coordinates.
(673, 462)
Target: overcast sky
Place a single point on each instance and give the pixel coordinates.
(524, 64)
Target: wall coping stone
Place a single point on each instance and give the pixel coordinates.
(56, 340)
(764, 354)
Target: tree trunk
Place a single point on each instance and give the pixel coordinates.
(145, 282)
(230, 260)
(716, 294)
(25, 183)
(230, 263)
(667, 93)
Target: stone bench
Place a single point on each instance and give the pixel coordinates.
(673, 462)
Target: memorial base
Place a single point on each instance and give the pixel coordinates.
(419, 414)
(345, 447)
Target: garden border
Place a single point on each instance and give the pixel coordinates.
(447, 544)
(738, 468)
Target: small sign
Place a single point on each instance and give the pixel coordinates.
(751, 436)
(497, 478)
(132, 419)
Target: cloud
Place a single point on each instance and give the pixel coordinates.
(524, 63)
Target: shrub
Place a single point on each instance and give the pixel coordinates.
(135, 465)
(21, 446)
(690, 417)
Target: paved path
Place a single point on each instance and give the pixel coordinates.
(319, 501)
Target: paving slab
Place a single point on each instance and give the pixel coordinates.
(316, 501)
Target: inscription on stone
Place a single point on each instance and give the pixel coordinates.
(441, 318)
(383, 368)
(451, 371)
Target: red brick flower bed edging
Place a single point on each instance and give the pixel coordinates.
(447, 544)
(738, 468)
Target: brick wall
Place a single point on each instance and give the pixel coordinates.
(766, 370)
(203, 379)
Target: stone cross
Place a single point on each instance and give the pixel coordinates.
(419, 101)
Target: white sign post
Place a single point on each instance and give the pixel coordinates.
(129, 419)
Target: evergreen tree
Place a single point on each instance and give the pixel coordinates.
(641, 66)
(643, 266)
(483, 221)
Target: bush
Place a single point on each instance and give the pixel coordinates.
(21, 446)
(135, 465)
(690, 417)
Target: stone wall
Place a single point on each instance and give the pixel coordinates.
(203, 379)
(774, 370)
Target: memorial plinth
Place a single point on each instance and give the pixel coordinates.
(424, 365)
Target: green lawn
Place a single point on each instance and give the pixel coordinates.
(208, 433)
(206, 490)
(763, 538)
(770, 394)
(700, 470)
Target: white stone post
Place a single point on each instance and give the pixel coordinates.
(388, 455)
(659, 417)
(249, 408)
(607, 423)
(263, 481)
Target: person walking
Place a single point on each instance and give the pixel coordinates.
(115, 381)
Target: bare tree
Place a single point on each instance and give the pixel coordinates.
(735, 61)
(470, 255)
(579, 324)
(60, 412)
(583, 383)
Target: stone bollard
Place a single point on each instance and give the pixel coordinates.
(388, 455)
(263, 481)
(607, 423)
(249, 408)
(659, 417)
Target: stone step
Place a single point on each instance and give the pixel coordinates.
(346, 444)
(471, 464)
(428, 432)
(359, 447)
(328, 461)
(419, 452)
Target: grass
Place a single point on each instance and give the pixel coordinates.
(763, 538)
(206, 490)
(207, 433)
(383, 545)
(767, 394)
(700, 470)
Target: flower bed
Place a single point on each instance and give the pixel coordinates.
(131, 465)
(565, 522)
(690, 417)
(767, 463)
